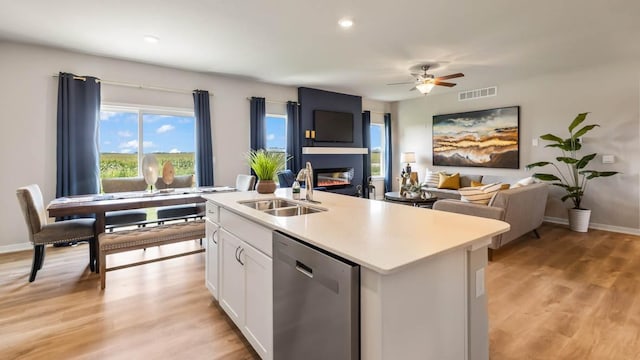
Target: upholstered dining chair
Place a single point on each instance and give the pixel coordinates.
(41, 233)
(286, 178)
(124, 217)
(178, 211)
(245, 182)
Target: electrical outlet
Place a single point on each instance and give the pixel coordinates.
(534, 142)
(608, 159)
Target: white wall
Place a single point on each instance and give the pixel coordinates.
(547, 105)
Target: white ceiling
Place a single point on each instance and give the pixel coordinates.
(299, 43)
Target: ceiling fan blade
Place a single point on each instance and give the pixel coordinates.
(402, 83)
(413, 88)
(452, 76)
(442, 83)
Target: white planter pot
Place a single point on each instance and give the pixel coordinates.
(579, 219)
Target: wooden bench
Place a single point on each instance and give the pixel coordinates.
(142, 238)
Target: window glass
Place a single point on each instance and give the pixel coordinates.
(377, 149)
(118, 144)
(170, 138)
(276, 133)
(126, 134)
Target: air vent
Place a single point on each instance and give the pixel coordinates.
(477, 93)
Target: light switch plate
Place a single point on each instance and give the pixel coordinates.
(479, 282)
(534, 142)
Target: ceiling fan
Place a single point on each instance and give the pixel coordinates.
(425, 82)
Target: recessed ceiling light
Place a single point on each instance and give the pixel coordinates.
(151, 39)
(345, 23)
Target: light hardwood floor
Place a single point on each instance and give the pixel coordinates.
(565, 296)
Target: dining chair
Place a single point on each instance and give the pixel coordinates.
(245, 182)
(286, 178)
(41, 233)
(124, 217)
(178, 211)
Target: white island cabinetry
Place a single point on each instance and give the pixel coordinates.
(211, 244)
(245, 268)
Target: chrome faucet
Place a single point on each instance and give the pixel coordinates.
(306, 175)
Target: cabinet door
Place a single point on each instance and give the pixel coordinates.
(258, 317)
(232, 293)
(211, 260)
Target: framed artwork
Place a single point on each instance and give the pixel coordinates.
(484, 138)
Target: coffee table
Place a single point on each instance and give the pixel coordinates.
(417, 201)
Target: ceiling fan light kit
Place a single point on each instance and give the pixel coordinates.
(425, 82)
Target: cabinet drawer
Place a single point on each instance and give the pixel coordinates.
(213, 212)
(254, 234)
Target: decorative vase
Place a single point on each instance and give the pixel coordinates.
(579, 219)
(265, 186)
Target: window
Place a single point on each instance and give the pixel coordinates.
(127, 133)
(377, 149)
(276, 133)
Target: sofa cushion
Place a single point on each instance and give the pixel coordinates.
(449, 181)
(479, 195)
(465, 180)
(431, 178)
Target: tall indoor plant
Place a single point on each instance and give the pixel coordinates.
(266, 164)
(575, 177)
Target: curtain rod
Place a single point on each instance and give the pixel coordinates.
(138, 86)
(275, 101)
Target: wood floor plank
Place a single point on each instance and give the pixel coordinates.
(565, 296)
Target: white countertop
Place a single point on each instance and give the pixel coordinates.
(378, 235)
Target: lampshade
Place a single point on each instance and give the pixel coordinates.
(425, 87)
(408, 157)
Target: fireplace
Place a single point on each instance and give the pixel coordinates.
(333, 178)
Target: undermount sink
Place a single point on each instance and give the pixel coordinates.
(293, 211)
(268, 204)
(281, 207)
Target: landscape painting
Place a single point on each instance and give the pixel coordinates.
(484, 138)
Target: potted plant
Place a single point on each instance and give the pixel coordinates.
(574, 179)
(266, 164)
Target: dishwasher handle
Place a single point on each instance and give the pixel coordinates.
(304, 269)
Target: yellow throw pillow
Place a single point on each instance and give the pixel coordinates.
(505, 186)
(449, 181)
(476, 183)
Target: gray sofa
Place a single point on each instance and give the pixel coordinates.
(465, 181)
(523, 208)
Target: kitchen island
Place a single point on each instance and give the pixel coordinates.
(421, 271)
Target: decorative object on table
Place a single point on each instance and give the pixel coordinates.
(485, 138)
(574, 182)
(407, 179)
(266, 164)
(168, 174)
(408, 157)
(149, 167)
(411, 190)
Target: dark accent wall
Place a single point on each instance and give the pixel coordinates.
(314, 99)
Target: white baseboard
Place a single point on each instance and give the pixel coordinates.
(605, 227)
(15, 248)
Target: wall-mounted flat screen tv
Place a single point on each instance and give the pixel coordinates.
(333, 126)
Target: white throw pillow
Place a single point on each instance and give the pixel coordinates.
(431, 179)
(524, 182)
(480, 195)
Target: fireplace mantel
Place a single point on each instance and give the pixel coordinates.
(334, 150)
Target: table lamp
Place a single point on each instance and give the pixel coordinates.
(408, 157)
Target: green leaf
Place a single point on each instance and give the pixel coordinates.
(607, 173)
(546, 177)
(584, 130)
(567, 160)
(564, 198)
(577, 121)
(592, 174)
(551, 137)
(561, 185)
(540, 163)
(585, 161)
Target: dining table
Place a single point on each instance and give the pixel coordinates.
(97, 205)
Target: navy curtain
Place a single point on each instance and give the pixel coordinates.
(293, 140)
(366, 159)
(388, 163)
(77, 159)
(257, 118)
(204, 146)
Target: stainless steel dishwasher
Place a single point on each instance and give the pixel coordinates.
(316, 303)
